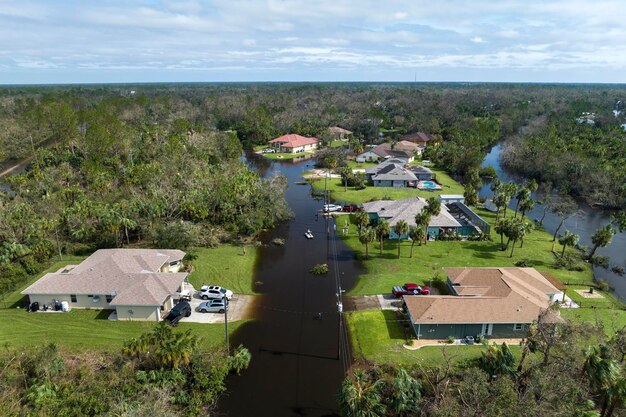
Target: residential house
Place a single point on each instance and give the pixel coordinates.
(339, 133)
(420, 138)
(451, 198)
(454, 218)
(422, 173)
(391, 173)
(489, 302)
(293, 143)
(402, 150)
(140, 284)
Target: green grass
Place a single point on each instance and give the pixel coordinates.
(377, 336)
(385, 271)
(225, 266)
(361, 165)
(371, 193)
(88, 329)
(608, 301)
(611, 319)
(338, 143)
(282, 156)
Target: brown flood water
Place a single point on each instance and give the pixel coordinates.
(299, 356)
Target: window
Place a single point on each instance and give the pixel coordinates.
(90, 295)
(518, 326)
(109, 298)
(73, 298)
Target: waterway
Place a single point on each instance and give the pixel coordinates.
(584, 225)
(298, 340)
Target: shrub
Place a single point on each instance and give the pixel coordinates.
(488, 171)
(601, 261)
(603, 285)
(569, 262)
(524, 263)
(278, 241)
(319, 269)
(619, 270)
(240, 360)
(450, 340)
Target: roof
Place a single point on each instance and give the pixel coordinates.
(419, 137)
(337, 129)
(486, 295)
(384, 150)
(406, 209)
(293, 141)
(451, 196)
(133, 275)
(394, 172)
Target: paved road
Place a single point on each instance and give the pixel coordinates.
(239, 309)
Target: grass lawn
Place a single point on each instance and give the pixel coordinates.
(385, 271)
(611, 319)
(88, 329)
(338, 143)
(225, 266)
(280, 156)
(360, 165)
(338, 193)
(377, 336)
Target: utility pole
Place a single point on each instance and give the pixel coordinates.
(226, 322)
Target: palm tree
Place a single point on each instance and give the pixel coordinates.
(434, 206)
(526, 206)
(361, 397)
(367, 236)
(405, 393)
(522, 196)
(601, 238)
(605, 378)
(345, 173)
(382, 230)
(362, 219)
(526, 228)
(422, 220)
(501, 227)
(417, 235)
(568, 239)
(401, 228)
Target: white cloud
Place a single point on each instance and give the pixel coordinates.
(477, 39)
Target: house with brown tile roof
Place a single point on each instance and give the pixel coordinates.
(140, 284)
(490, 302)
(401, 150)
(339, 133)
(293, 143)
(420, 138)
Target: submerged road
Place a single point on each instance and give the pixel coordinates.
(299, 343)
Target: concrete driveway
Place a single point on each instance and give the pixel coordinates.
(238, 309)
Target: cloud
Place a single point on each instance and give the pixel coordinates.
(299, 39)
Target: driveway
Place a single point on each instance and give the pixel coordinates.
(239, 309)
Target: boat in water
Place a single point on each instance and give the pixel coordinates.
(308, 234)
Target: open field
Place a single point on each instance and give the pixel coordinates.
(338, 192)
(225, 265)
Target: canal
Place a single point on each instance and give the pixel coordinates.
(299, 345)
(583, 225)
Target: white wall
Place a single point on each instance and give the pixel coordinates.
(139, 313)
(82, 301)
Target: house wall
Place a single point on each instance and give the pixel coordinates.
(459, 331)
(367, 156)
(172, 268)
(139, 313)
(82, 301)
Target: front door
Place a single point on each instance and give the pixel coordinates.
(487, 329)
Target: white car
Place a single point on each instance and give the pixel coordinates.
(331, 207)
(213, 306)
(214, 292)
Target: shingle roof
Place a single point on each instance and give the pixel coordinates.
(293, 140)
(417, 137)
(406, 209)
(337, 129)
(133, 274)
(486, 295)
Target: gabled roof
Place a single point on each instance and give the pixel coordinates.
(293, 140)
(394, 172)
(486, 295)
(337, 129)
(133, 275)
(418, 137)
(406, 209)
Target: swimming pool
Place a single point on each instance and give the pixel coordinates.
(428, 185)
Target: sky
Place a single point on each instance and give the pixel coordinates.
(84, 41)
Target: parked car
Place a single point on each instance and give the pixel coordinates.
(180, 310)
(214, 292)
(213, 306)
(331, 207)
(410, 289)
(352, 208)
(269, 150)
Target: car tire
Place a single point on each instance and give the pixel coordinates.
(221, 310)
(203, 311)
(205, 297)
(188, 314)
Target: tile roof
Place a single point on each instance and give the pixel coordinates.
(132, 274)
(293, 140)
(337, 129)
(406, 209)
(417, 137)
(487, 295)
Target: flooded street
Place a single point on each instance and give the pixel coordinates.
(584, 225)
(299, 345)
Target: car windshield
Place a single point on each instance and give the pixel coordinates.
(222, 290)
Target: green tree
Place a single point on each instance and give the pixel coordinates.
(601, 238)
(497, 360)
(403, 395)
(360, 396)
(382, 231)
(568, 239)
(422, 220)
(606, 378)
(362, 219)
(367, 236)
(433, 206)
(416, 234)
(401, 228)
(162, 348)
(470, 195)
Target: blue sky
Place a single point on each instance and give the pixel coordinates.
(78, 41)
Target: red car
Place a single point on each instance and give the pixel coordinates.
(410, 289)
(352, 208)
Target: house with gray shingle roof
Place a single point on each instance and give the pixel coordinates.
(489, 302)
(140, 284)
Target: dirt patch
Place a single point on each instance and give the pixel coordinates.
(587, 294)
(366, 302)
